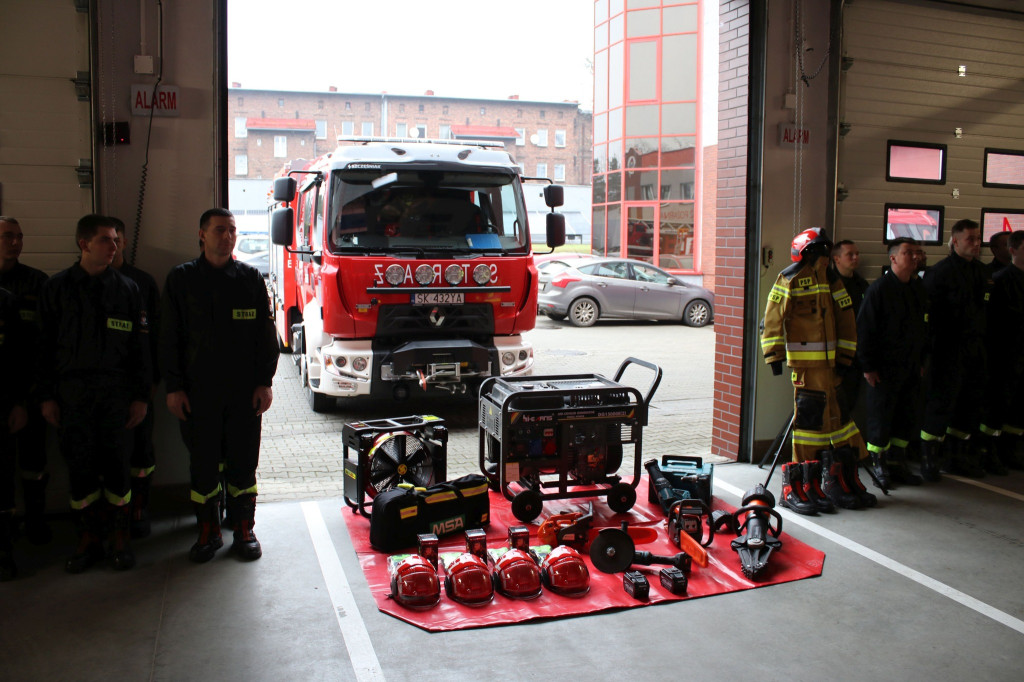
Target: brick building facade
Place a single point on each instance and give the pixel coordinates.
(272, 127)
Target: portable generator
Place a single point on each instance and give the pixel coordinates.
(562, 436)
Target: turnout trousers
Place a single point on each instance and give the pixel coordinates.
(222, 433)
(818, 423)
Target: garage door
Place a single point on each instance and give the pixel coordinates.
(44, 127)
(932, 123)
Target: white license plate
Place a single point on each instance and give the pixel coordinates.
(439, 298)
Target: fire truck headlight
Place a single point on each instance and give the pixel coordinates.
(508, 358)
(523, 354)
(482, 274)
(394, 275)
(359, 364)
(424, 275)
(453, 274)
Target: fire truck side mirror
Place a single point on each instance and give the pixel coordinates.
(284, 189)
(554, 195)
(281, 226)
(555, 229)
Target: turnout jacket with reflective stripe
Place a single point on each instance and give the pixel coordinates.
(809, 321)
(892, 327)
(216, 329)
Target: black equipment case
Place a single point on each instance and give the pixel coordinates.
(399, 515)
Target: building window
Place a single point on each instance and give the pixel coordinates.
(346, 128)
(519, 113)
(280, 102)
(543, 114)
(241, 101)
(483, 111)
(542, 170)
(421, 108)
(367, 128)
(445, 132)
(444, 110)
(240, 129)
(542, 138)
(559, 138)
(560, 113)
(319, 104)
(259, 141)
(280, 146)
(402, 130)
(321, 129)
(348, 106)
(241, 164)
(521, 139)
(559, 172)
(401, 108)
(421, 132)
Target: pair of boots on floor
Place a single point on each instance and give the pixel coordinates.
(240, 516)
(825, 484)
(975, 457)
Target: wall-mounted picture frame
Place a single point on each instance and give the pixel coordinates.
(920, 222)
(919, 162)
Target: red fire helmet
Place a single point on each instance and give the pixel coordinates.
(812, 235)
(517, 575)
(564, 572)
(414, 583)
(468, 581)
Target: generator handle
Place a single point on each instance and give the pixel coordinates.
(643, 363)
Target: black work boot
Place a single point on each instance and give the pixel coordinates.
(834, 484)
(8, 569)
(880, 468)
(931, 460)
(812, 487)
(37, 531)
(963, 460)
(210, 540)
(851, 463)
(983, 446)
(140, 526)
(899, 472)
(90, 544)
(793, 495)
(243, 513)
(122, 557)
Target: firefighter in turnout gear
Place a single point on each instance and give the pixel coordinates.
(809, 323)
(218, 355)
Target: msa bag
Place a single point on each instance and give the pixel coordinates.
(399, 515)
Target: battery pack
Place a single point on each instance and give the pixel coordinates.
(673, 580)
(635, 584)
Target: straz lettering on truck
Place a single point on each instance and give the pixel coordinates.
(243, 314)
(467, 269)
(448, 525)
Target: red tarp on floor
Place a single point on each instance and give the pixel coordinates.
(794, 561)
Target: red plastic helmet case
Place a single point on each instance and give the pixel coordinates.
(564, 572)
(468, 581)
(414, 583)
(517, 575)
(812, 235)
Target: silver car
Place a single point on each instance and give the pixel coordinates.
(619, 288)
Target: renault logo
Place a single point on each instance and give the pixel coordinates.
(436, 317)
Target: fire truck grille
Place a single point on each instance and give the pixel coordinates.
(473, 320)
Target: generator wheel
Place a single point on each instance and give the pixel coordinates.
(527, 505)
(621, 497)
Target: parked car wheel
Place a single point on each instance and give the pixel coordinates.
(697, 313)
(557, 317)
(583, 312)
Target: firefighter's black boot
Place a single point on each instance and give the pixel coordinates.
(793, 495)
(90, 543)
(1006, 448)
(210, 540)
(851, 463)
(37, 531)
(880, 468)
(122, 557)
(984, 448)
(963, 461)
(8, 569)
(243, 514)
(140, 526)
(833, 483)
(899, 472)
(931, 460)
(812, 487)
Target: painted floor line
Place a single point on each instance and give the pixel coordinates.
(893, 565)
(986, 486)
(353, 629)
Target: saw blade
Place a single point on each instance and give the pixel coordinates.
(612, 551)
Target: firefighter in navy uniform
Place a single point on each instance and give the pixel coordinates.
(892, 337)
(30, 442)
(94, 381)
(958, 287)
(143, 459)
(809, 322)
(1003, 424)
(14, 392)
(218, 353)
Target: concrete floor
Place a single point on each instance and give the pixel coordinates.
(926, 586)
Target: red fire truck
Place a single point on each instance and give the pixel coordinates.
(404, 266)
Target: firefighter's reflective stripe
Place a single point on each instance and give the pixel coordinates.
(778, 294)
(842, 298)
(931, 437)
(812, 290)
(769, 341)
(138, 472)
(811, 345)
(988, 430)
(899, 443)
(957, 433)
(823, 355)
(1013, 430)
(846, 433)
(86, 501)
(823, 439)
(848, 345)
(117, 500)
(199, 498)
(878, 448)
(235, 492)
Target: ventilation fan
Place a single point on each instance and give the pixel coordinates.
(389, 452)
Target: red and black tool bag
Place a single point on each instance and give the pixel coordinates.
(399, 515)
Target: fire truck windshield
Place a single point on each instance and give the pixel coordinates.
(427, 210)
